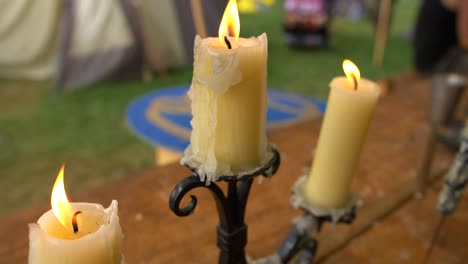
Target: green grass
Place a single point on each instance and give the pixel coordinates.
(40, 129)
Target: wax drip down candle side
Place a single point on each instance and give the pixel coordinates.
(228, 102)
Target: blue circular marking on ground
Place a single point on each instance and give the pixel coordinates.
(162, 117)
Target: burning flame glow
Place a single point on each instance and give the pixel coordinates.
(230, 24)
(59, 201)
(351, 71)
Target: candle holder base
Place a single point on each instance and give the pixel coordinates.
(265, 168)
(334, 215)
(231, 231)
(299, 240)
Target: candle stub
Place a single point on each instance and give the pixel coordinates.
(75, 232)
(98, 240)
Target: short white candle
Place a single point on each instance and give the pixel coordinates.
(98, 239)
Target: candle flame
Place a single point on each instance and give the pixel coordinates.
(59, 201)
(351, 71)
(230, 24)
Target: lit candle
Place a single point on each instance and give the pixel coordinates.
(229, 101)
(349, 110)
(75, 232)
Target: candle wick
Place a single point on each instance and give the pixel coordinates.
(75, 222)
(226, 40)
(355, 83)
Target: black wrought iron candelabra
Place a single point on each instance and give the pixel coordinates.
(232, 230)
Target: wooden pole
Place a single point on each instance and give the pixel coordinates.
(152, 57)
(426, 156)
(381, 34)
(199, 18)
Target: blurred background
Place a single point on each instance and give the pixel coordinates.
(70, 69)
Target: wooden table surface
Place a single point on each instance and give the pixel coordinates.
(391, 226)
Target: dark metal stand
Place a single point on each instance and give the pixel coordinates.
(232, 230)
(299, 239)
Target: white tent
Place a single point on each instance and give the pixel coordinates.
(28, 38)
(78, 42)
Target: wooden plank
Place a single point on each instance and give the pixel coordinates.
(404, 236)
(374, 212)
(155, 235)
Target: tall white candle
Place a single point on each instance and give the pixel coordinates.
(229, 102)
(97, 240)
(349, 110)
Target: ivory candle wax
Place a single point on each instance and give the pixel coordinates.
(349, 110)
(229, 104)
